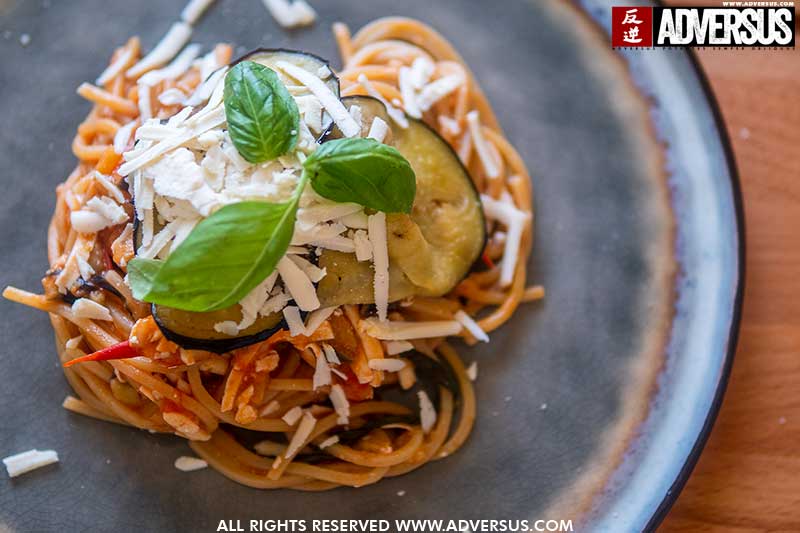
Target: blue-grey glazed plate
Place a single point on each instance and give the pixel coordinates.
(593, 404)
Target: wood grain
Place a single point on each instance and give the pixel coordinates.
(748, 477)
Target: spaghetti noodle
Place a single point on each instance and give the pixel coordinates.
(221, 401)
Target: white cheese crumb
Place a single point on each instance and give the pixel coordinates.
(291, 15)
(427, 413)
(185, 463)
(301, 435)
(330, 441)
(437, 90)
(380, 261)
(387, 364)
(471, 326)
(322, 372)
(363, 245)
(515, 220)
(293, 415)
(177, 36)
(115, 68)
(292, 315)
(194, 10)
(227, 327)
(395, 114)
(330, 354)
(73, 343)
(408, 93)
(172, 96)
(400, 331)
(472, 371)
(401, 493)
(340, 404)
(89, 309)
(123, 136)
(24, 462)
(316, 318)
(329, 101)
(378, 129)
(298, 284)
(397, 347)
(24, 39)
(481, 146)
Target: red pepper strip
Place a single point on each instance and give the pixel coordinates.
(487, 260)
(123, 350)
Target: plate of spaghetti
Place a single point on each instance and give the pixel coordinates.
(300, 247)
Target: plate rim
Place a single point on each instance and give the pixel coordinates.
(685, 471)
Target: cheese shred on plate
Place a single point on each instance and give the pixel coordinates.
(24, 462)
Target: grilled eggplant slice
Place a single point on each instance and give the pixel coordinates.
(434, 247)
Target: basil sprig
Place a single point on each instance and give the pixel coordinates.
(365, 172)
(263, 119)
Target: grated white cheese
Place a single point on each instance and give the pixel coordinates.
(177, 36)
(363, 245)
(421, 71)
(99, 212)
(207, 87)
(194, 10)
(387, 364)
(185, 463)
(73, 343)
(449, 125)
(340, 404)
(397, 347)
(325, 212)
(322, 372)
(471, 326)
(176, 68)
(121, 63)
(378, 129)
(301, 435)
(408, 93)
(427, 413)
(173, 96)
(123, 136)
(293, 415)
(88, 221)
(472, 371)
(329, 101)
(355, 220)
(86, 308)
(227, 327)
(298, 284)
(395, 114)
(481, 146)
(112, 189)
(314, 273)
(330, 441)
(330, 354)
(441, 88)
(291, 15)
(108, 208)
(24, 462)
(380, 261)
(292, 315)
(400, 331)
(316, 318)
(514, 219)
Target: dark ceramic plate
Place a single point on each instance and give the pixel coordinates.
(593, 405)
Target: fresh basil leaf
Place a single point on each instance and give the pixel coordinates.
(141, 274)
(263, 120)
(365, 172)
(222, 260)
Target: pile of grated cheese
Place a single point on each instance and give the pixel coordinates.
(185, 168)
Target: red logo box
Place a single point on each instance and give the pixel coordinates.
(631, 26)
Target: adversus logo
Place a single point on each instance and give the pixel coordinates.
(647, 27)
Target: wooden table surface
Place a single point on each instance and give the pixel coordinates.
(748, 477)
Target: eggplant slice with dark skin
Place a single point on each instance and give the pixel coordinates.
(434, 247)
